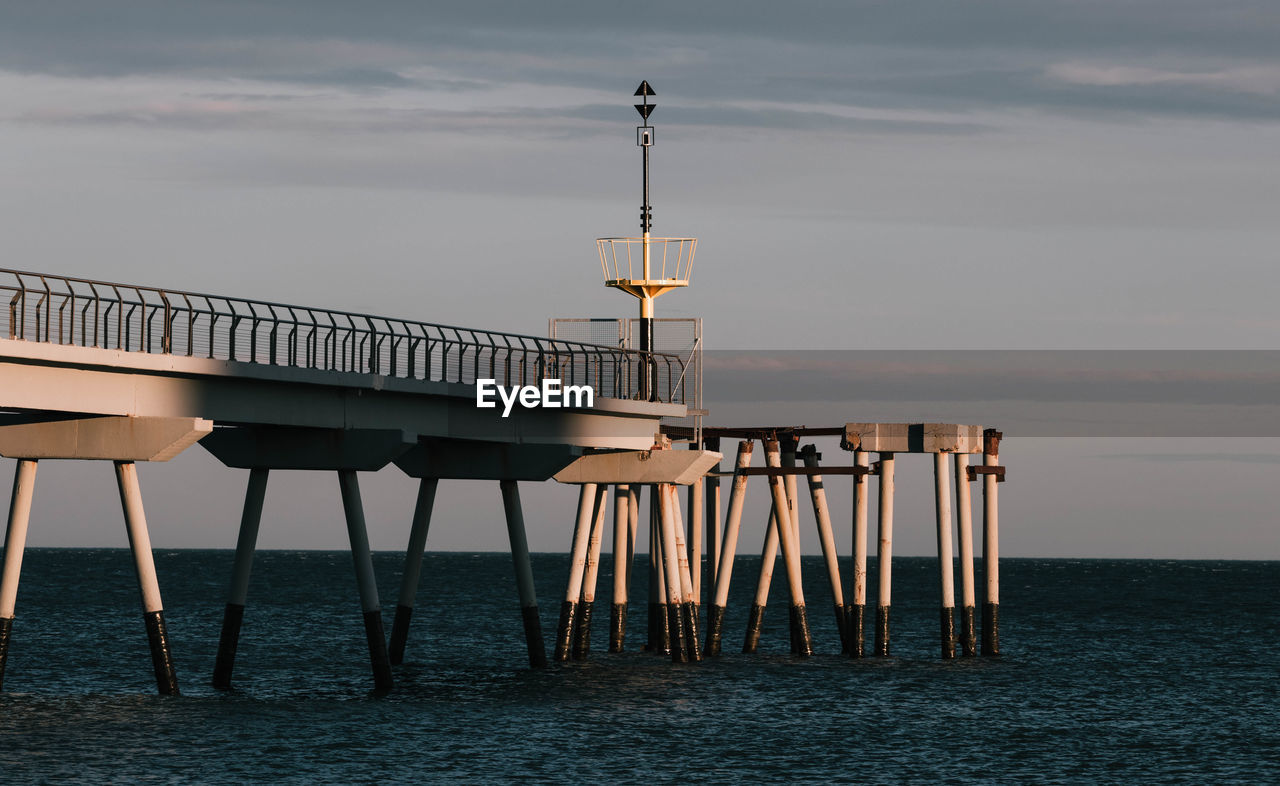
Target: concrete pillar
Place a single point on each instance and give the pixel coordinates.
(15, 543)
(659, 639)
(577, 567)
(524, 573)
(884, 554)
(854, 612)
(621, 566)
(671, 570)
(789, 541)
(695, 540)
(366, 581)
(768, 556)
(942, 506)
(991, 544)
(246, 544)
(964, 523)
(714, 536)
(788, 445)
(412, 573)
(135, 521)
(688, 608)
(591, 572)
(728, 549)
(822, 515)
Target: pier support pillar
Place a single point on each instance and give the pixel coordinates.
(822, 514)
(884, 554)
(991, 544)
(524, 573)
(789, 541)
(854, 611)
(591, 572)
(946, 579)
(659, 624)
(246, 543)
(143, 562)
(15, 543)
(688, 602)
(728, 548)
(671, 557)
(964, 524)
(412, 568)
(621, 567)
(577, 566)
(367, 583)
(768, 558)
(711, 519)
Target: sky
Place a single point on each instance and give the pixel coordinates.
(933, 175)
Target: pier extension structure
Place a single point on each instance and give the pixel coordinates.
(92, 370)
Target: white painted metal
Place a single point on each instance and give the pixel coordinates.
(135, 521)
(621, 542)
(964, 523)
(15, 535)
(884, 554)
(861, 491)
(581, 541)
(732, 526)
(594, 544)
(942, 506)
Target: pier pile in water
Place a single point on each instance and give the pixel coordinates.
(676, 562)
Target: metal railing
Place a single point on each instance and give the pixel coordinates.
(62, 310)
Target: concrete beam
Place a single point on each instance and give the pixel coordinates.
(282, 447)
(457, 459)
(681, 467)
(912, 438)
(103, 438)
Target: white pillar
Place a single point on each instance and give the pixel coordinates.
(789, 542)
(854, 622)
(135, 521)
(15, 543)
(688, 608)
(964, 523)
(884, 554)
(942, 506)
(591, 572)
(577, 567)
(991, 545)
(822, 515)
(768, 556)
(728, 549)
(412, 572)
(671, 570)
(621, 566)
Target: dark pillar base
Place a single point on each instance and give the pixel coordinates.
(564, 630)
(715, 623)
(882, 631)
(6, 627)
(533, 636)
(161, 660)
(399, 634)
(755, 621)
(991, 629)
(659, 629)
(582, 631)
(968, 634)
(675, 623)
(854, 630)
(617, 627)
(948, 632)
(228, 641)
(378, 650)
(693, 648)
(800, 621)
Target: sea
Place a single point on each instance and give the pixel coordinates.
(1112, 671)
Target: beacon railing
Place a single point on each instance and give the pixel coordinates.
(80, 312)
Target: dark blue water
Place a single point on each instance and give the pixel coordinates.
(1114, 671)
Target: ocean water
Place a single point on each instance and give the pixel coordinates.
(1114, 671)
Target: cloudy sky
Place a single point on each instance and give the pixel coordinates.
(928, 175)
